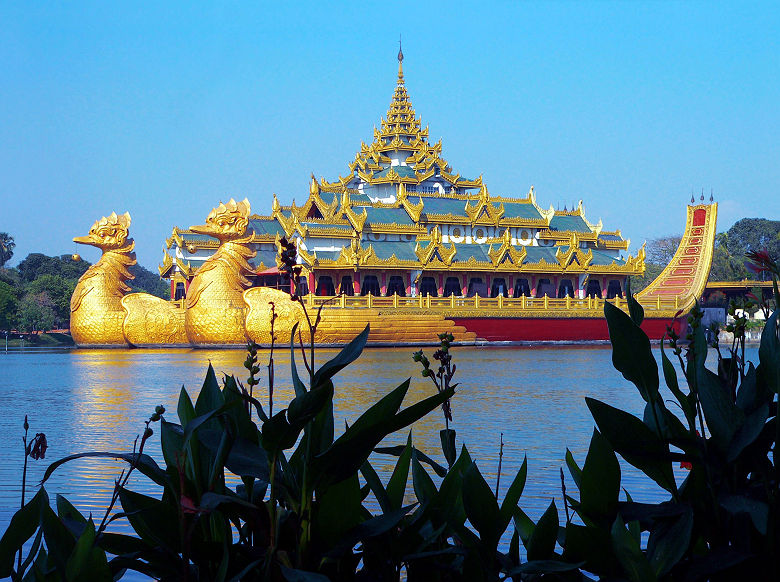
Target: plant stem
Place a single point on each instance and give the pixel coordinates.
(500, 459)
(24, 482)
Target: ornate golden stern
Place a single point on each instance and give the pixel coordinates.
(258, 320)
(684, 278)
(151, 321)
(96, 312)
(215, 304)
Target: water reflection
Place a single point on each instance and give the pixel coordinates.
(99, 399)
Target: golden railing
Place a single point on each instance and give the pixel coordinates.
(498, 305)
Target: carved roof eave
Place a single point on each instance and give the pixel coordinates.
(166, 265)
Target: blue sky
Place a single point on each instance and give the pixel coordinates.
(164, 109)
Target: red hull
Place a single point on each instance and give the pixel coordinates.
(552, 330)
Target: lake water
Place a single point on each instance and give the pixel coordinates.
(99, 399)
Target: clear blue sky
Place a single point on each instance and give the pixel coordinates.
(163, 109)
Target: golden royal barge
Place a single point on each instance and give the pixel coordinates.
(402, 242)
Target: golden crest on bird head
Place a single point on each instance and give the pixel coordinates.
(110, 232)
(227, 221)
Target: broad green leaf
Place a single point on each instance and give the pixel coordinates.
(541, 544)
(723, 416)
(23, 525)
(143, 463)
(185, 409)
(292, 575)
(87, 562)
(155, 521)
(513, 494)
(447, 436)
(631, 352)
(748, 432)
(396, 487)
(592, 546)
(670, 376)
(398, 450)
(635, 442)
(769, 353)
(70, 516)
(171, 442)
(757, 510)
(375, 483)
(574, 468)
(600, 487)
(298, 386)
(523, 525)
(424, 488)
(635, 310)
(627, 551)
(481, 506)
(669, 541)
(338, 510)
(59, 541)
(306, 406)
(348, 354)
(210, 397)
(544, 567)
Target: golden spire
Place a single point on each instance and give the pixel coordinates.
(400, 62)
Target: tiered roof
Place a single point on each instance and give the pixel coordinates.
(420, 194)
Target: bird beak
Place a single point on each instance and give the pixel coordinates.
(84, 240)
(202, 229)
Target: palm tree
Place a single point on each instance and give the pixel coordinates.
(7, 245)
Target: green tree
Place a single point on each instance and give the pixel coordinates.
(59, 290)
(7, 245)
(8, 303)
(147, 282)
(36, 312)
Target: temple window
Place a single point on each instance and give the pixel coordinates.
(565, 288)
(522, 288)
(303, 285)
(370, 285)
(477, 287)
(452, 287)
(593, 289)
(614, 289)
(180, 292)
(498, 287)
(544, 287)
(325, 286)
(396, 286)
(347, 288)
(428, 287)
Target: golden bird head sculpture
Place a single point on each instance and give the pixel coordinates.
(227, 221)
(109, 233)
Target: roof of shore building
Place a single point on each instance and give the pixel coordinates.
(400, 184)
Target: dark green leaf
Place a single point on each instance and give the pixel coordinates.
(306, 406)
(299, 387)
(185, 410)
(757, 510)
(591, 545)
(541, 544)
(669, 542)
(59, 541)
(171, 442)
(348, 354)
(424, 488)
(723, 416)
(629, 554)
(292, 575)
(398, 450)
(70, 516)
(631, 352)
(144, 463)
(155, 521)
(23, 525)
(769, 353)
(523, 526)
(375, 483)
(600, 487)
(635, 442)
(210, 397)
(396, 487)
(338, 510)
(481, 506)
(513, 494)
(87, 562)
(447, 436)
(574, 469)
(670, 376)
(544, 567)
(748, 432)
(635, 310)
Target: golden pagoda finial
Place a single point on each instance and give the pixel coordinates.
(400, 62)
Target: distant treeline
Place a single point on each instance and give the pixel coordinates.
(728, 260)
(35, 295)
